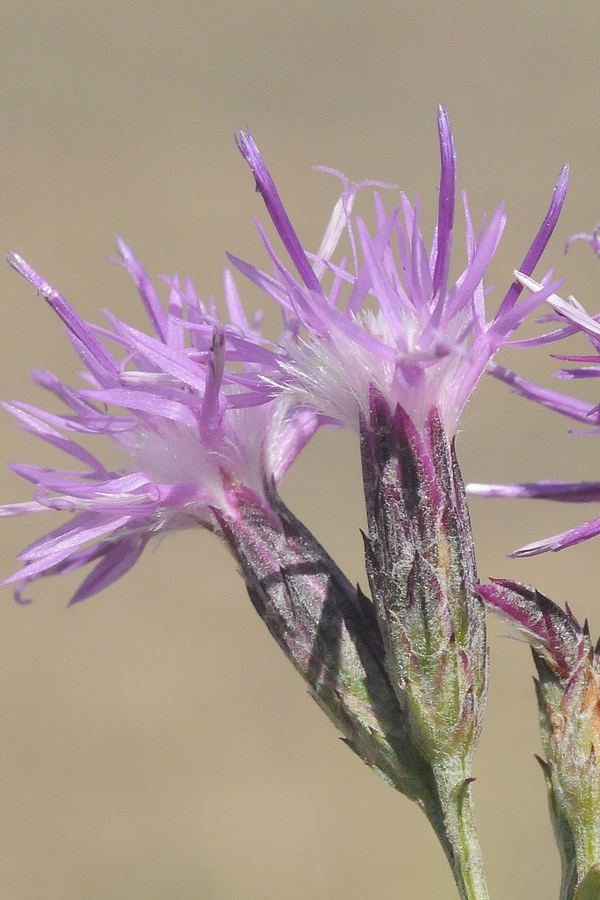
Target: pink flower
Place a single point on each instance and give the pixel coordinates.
(195, 417)
(393, 321)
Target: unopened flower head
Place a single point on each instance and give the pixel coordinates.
(393, 321)
(568, 694)
(194, 418)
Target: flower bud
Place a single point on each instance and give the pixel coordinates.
(568, 695)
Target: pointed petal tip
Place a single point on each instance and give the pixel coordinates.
(122, 246)
(563, 178)
(242, 134)
(42, 286)
(560, 192)
(127, 256)
(536, 548)
(443, 119)
(14, 260)
(17, 263)
(561, 541)
(445, 133)
(247, 146)
(79, 597)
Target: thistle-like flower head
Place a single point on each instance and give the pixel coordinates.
(204, 443)
(394, 321)
(187, 407)
(393, 345)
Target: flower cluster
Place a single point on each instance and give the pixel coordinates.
(200, 403)
(205, 444)
(207, 417)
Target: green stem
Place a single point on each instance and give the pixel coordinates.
(586, 836)
(467, 861)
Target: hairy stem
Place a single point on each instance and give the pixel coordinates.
(467, 861)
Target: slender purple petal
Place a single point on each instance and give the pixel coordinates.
(73, 322)
(445, 221)
(117, 561)
(563, 491)
(145, 288)
(266, 187)
(562, 540)
(541, 239)
(567, 406)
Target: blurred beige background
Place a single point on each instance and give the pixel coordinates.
(154, 743)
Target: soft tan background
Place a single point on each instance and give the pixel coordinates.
(154, 743)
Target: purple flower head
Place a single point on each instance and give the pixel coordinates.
(393, 322)
(187, 407)
(391, 345)
(572, 319)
